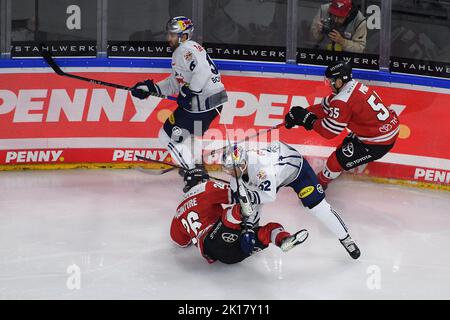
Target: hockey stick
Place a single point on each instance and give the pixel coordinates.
(48, 58)
(244, 218)
(176, 166)
(154, 172)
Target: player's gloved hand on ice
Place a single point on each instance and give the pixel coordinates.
(247, 241)
(299, 116)
(184, 99)
(142, 90)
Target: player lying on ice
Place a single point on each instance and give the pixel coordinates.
(373, 127)
(219, 233)
(263, 171)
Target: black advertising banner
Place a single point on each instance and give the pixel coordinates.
(216, 51)
(246, 52)
(323, 58)
(370, 61)
(139, 49)
(306, 56)
(420, 67)
(26, 49)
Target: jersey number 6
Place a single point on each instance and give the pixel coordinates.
(383, 112)
(211, 64)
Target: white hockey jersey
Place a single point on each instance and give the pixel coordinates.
(269, 169)
(192, 65)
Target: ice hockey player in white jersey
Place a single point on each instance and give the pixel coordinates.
(196, 80)
(263, 171)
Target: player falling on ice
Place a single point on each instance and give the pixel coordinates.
(217, 232)
(373, 127)
(263, 171)
(196, 80)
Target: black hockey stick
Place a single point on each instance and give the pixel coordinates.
(48, 58)
(154, 172)
(244, 218)
(173, 165)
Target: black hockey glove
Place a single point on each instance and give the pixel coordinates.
(299, 116)
(247, 241)
(184, 99)
(143, 89)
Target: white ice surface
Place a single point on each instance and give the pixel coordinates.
(114, 225)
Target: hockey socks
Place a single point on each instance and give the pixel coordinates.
(331, 171)
(330, 219)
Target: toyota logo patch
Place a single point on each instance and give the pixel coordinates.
(229, 237)
(385, 128)
(348, 150)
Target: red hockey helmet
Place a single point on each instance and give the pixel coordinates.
(340, 8)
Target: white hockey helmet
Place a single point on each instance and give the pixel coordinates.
(234, 155)
(180, 25)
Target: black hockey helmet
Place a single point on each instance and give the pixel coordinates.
(193, 177)
(339, 70)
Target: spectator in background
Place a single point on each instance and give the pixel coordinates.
(23, 30)
(251, 22)
(340, 26)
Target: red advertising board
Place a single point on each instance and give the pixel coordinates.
(45, 118)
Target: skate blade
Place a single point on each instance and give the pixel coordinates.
(298, 238)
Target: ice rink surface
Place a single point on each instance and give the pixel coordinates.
(113, 227)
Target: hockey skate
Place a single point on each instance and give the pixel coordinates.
(294, 240)
(351, 247)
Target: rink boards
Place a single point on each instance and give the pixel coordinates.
(47, 119)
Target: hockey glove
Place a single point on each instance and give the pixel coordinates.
(142, 90)
(244, 201)
(299, 116)
(184, 99)
(247, 241)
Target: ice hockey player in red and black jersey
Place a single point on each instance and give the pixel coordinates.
(354, 106)
(218, 232)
